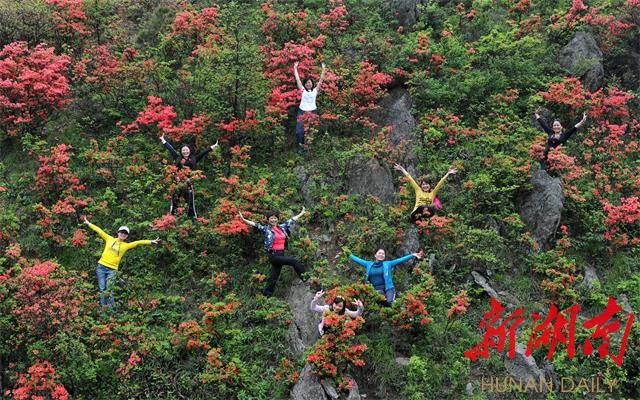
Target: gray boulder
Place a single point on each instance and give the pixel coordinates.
(541, 208)
(308, 386)
(395, 111)
(303, 330)
(590, 277)
(368, 177)
(523, 368)
(405, 11)
(582, 58)
(410, 242)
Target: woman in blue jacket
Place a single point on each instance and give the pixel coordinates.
(379, 272)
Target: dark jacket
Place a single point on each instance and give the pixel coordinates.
(190, 161)
(552, 141)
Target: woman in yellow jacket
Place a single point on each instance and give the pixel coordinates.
(114, 250)
(426, 200)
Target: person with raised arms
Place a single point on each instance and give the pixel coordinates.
(337, 306)
(114, 249)
(308, 94)
(426, 201)
(276, 238)
(185, 159)
(380, 272)
(556, 135)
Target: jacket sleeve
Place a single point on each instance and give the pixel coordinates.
(137, 243)
(567, 134)
(203, 153)
(545, 127)
(172, 151)
(287, 225)
(413, 183)
(359, 260)
(260, 228)
(99, 231)
(355, 313)
(317, 307)
(435, 190)
(400, 260)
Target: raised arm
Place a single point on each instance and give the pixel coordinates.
(543, 123)
(137, 243)
(413, 183)
(316, 304)
(435, 190)
(295, 73)
(582, 121)
(168, 146)
(205, 151)
(246, 221)
(567, 134)
(296, 217)
(324, 69)
(359, 260)
(96, 229)
(358, 311)
(406, 258)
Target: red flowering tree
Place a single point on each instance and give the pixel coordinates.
(33, 82)
(45, 300)
(60, 189)
(162, 117)
(197, 31)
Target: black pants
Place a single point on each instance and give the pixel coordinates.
(278, 259)
(187, 194)
(423, 212)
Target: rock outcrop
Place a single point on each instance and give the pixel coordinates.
(396, 112)
(582, 58)
(523, 368)
(368, 177)
(303, 330)
(541, 208)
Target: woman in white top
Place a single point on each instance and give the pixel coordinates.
(307, 100)
(337, 307)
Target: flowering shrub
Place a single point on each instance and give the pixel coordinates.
(47, 299)
(69, 17)
(409, 311)
(163, 116)
(460, 304)
(197, 30)
(336, 350)
(286, 372)
(621, 222)
(42, 381)
(34, 84)
(238, 195)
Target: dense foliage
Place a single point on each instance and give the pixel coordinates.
(88, 87)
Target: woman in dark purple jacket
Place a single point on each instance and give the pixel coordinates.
(185, 159)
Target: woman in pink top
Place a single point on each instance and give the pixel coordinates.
(307, 100)
(275, 242)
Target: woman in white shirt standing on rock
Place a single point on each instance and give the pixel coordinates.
(337, 306)
(309, 92)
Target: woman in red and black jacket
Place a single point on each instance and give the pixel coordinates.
(185, 159)
(275, 242)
